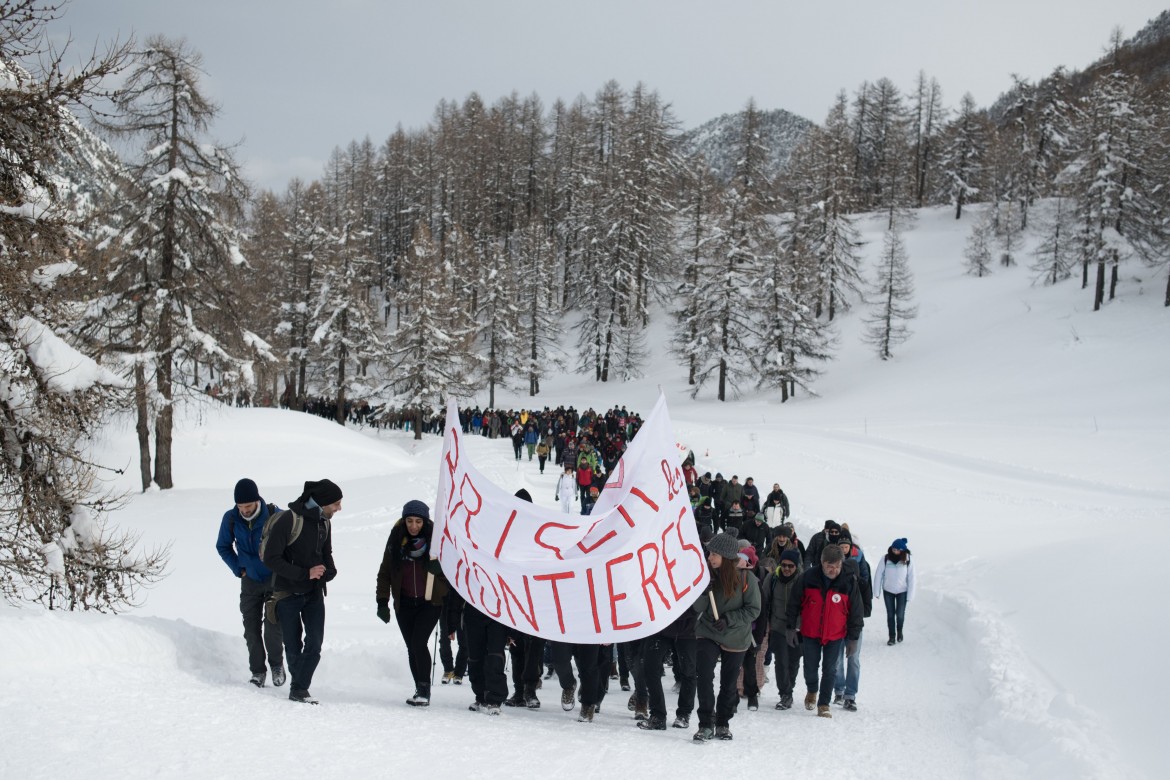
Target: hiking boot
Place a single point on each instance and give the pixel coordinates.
(850, 705)
(491, 709)
(723, 732)
(258, 679)
(839, 698)
(785, 702)
(704, 734)
(753, 703)
(681, 722)
(530, 700)
(586, 715)
(477, 706)
(278, 676)
(891, 642)
(899, 636)
(448, 677)
(516, 700)
(823, 711)
(653, 723)
(458, 679)
(810, 700)
(676, 687)
(632, 704)
(549, 673)
(642, 710)
(421, 697)
(569, 698)
(625, 685)
(304, 697)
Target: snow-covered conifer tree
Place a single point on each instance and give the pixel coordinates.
(887, 325)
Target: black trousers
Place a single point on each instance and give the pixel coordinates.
(527, 654)
(654, 650)
(456, 663)
(302, 623)
(416, 620)
(630, 657)
(712, 711)
(787, 662)
(588, 660)
(263, 638)
(485, 656)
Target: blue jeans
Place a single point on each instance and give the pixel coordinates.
(851, 675)
(895, 610)
(814, 655)
(296, 613)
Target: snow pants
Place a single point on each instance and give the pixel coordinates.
(485, 656)
(416, 620)
(654, 651)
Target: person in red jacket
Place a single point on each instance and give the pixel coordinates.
(826, 610)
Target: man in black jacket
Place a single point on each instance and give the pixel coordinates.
(302, 562)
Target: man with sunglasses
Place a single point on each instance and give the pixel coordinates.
(778, 588)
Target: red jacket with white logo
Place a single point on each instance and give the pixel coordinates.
(827, 610)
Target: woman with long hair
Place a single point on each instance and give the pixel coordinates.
(724, 633)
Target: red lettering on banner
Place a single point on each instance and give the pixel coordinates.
(669, 564)
(481, 577)
(625, 515)
(593, 600)
(452, 467)
(504, 535)
(614, 598)
(552, 580)
(601, 541)
(692, 548)
(530, 615)
(467, 483)
(651, 579)
(674, 480)
(644, 497)
(540, 531)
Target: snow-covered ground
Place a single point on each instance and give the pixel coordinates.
(1019, 440)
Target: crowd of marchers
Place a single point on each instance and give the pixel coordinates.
(774, 603)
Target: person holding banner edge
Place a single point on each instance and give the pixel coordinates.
(724, 631)
(416, 583)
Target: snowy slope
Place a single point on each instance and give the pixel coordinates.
(1018, 439)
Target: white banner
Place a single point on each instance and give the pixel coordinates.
(623, 572)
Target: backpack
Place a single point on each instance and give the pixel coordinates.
(298, 523)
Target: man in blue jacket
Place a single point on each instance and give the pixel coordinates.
(240, 532)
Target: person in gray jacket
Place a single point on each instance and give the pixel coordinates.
(777, 589)
(724, 632)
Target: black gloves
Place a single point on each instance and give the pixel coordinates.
(720, 625)
(384, 611)
(792, 636)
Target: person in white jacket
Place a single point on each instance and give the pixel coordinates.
(567, 489)
(895, 579)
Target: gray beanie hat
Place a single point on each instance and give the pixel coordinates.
(724, 545)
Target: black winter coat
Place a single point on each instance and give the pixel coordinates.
(290, 563)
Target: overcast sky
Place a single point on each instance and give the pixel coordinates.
(297, 78)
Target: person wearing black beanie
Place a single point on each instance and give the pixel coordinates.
(298, 548)
(240, 533)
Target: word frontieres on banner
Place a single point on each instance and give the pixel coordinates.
(623, 572)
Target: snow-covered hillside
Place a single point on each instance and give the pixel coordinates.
(1019, 440)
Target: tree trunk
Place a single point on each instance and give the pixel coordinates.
(418, 416)
(1084, 274)
(722, 379)
(142, 426)
(1113, 277)
(1099, 290)
(1167, 301)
